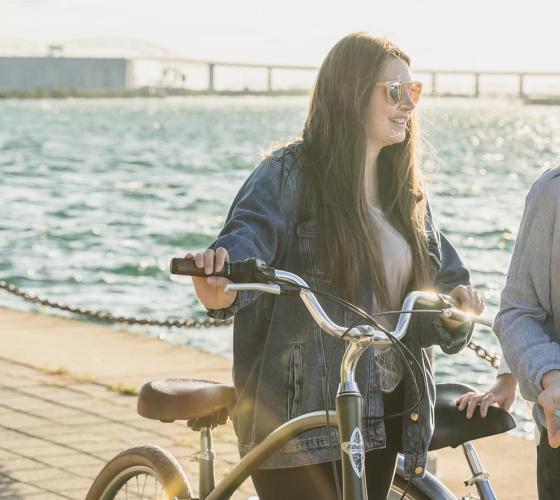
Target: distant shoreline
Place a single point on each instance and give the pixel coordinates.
(142, 92)
(156, 92)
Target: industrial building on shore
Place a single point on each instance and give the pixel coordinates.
(66, 73)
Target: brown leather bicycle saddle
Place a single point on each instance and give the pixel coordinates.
(452, 427)
(183, 399)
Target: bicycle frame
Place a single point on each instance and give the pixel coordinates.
(349, 401)
(155, 461)
(267, 447)
(429, 484)
(348, 418)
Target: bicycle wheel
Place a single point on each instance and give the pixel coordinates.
(143, 472)
(412, 493)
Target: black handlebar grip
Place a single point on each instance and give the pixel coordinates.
(187, 267)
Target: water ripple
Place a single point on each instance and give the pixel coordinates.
(98, 195)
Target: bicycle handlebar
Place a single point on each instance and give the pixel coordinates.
(244, 271)
(253, 274)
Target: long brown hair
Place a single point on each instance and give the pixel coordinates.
(332, 162)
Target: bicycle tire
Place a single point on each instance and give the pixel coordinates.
(139, 460)
(412, 493)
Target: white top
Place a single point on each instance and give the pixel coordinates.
(397, 262)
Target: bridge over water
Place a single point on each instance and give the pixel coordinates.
(433, 75)
(175, 70)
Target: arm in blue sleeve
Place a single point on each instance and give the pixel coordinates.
(451, 272)
(523, 323)
(259, 220)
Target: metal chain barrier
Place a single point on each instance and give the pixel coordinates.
(107, 316)
(480, 351)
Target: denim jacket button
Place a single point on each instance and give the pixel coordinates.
(418, 470)
(414, 417)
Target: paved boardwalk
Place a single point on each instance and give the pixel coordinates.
(61, 418)
(56, 434)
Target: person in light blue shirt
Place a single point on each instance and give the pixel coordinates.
(528, 323)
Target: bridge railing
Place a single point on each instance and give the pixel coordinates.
(432, 74)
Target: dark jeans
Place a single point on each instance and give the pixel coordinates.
(548, 469)
(316, 482)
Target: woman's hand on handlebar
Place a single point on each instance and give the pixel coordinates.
(468, 300)
(210, 291)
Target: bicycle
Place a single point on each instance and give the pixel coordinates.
(204, 405)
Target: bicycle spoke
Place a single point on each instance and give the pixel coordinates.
(137, 487)
(144, 485)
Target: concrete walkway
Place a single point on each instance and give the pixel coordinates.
(64, 412)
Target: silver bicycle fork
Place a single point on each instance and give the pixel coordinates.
(479, 477)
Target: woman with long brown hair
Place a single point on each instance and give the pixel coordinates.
(344, 207)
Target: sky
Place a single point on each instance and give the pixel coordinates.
(437, 34)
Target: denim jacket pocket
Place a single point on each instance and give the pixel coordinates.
(307, 240)
(307, 228)
(295, 381)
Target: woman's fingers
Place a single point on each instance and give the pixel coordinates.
(477, 301)
(468, 302)
(461, 295)
(221, 258)
(199, 260)
(472, 406)
(549, 399)
(464, 400)
(470, 400)
(487, 400)
(468, 298)
(208, 261)
(480, 302)
(210, 289)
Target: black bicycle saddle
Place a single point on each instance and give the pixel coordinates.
(452, 428)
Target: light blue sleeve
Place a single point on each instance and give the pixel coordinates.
(524, 322)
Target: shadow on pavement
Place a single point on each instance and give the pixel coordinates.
(8, 487)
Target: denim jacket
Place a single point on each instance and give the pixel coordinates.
(278, 362)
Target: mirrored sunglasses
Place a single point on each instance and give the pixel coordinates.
(395, 90)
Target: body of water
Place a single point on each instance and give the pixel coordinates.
(98, 195)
